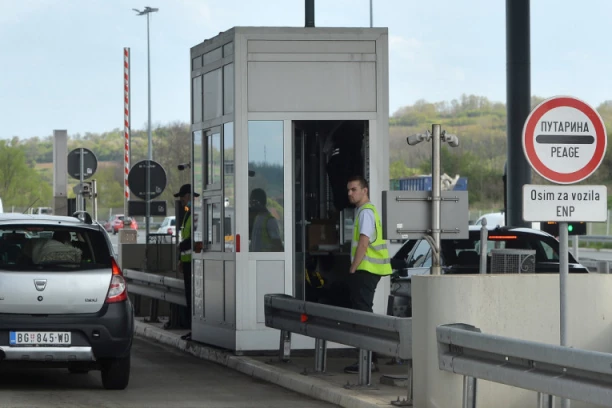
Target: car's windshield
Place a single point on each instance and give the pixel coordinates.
(28, 247)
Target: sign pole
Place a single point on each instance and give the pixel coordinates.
(435, 196)
(81, 199)
(563, 277)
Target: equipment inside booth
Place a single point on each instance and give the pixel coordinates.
(326, 155)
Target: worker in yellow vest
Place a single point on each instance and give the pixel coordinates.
(369, 253)
(185, 249)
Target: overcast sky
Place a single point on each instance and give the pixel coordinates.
(62, 59)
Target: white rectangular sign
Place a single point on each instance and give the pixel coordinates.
(565, 203)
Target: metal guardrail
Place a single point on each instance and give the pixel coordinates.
(158, 287)
(595, 238)
(564, 372)
(388, 335)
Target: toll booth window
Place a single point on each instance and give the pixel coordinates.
(213, 94)
(266, 187)
(197, 160)
(196, 94)
(197, 62)
(228, 89)
(213, 55)
(213, 159)
(213, 225)
(229, 187)
(228, 49)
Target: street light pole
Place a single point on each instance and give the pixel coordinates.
(147, 11)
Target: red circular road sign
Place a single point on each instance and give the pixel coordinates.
(564, 140)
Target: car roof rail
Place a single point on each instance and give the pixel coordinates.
(83, 216)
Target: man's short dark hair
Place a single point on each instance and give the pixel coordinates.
(362, 181)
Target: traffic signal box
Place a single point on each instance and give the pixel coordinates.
(573, 228)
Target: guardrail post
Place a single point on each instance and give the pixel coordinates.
(137, 304)
(410, 394)
(469, 392)
(154, 311)
(320, 355)
(546, 401)
(603, 267)
(284, 350)
(365, 367)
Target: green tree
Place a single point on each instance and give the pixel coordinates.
(20, 184)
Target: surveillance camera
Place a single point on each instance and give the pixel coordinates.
(414, 139)
(184, 166)
(452, 140)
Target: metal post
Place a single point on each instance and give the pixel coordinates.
(603, 267)
(410, 394)
(284, 349)
(320, 355)
(310, 13)
(94, 195)
(518, 96)
(81, 199)
(545, 400)
(484, 235)
(60, 175)
(563, 278)
(435, 197)
(154, 311)
(576, 252)
(469, 392)
(150, 149)
(365, 367)
(371, 14)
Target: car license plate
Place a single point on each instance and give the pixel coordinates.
(39, 338)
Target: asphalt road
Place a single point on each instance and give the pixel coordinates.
(160, 377)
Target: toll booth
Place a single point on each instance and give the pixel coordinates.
(280, 118)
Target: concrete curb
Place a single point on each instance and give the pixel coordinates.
(312, 387)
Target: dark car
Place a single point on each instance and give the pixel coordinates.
(462, 256)
(63, 298)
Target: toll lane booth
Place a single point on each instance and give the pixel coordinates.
(280, 118)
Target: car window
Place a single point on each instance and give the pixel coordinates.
(30, 247)
(421, 255)
(173, 222)
(405, 250)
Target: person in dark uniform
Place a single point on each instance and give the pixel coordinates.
(185, 249)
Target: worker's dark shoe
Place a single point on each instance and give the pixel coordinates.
(354, 368)
(186, 336)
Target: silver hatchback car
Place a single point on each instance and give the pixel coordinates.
(63, 298)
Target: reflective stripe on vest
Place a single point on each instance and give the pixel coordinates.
(186, 234)
(376, 259)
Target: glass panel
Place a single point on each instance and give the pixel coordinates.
(228, 89)
(420, 255)
(198, 184)
(213, 226)
(266, 188)
(197, 62)
(229, 188)
(228, 49)
(198, 161)
(196, 94)
(213, 143)
(213, 55)
(213, 92)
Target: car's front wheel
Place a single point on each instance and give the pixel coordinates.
(116, 373)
